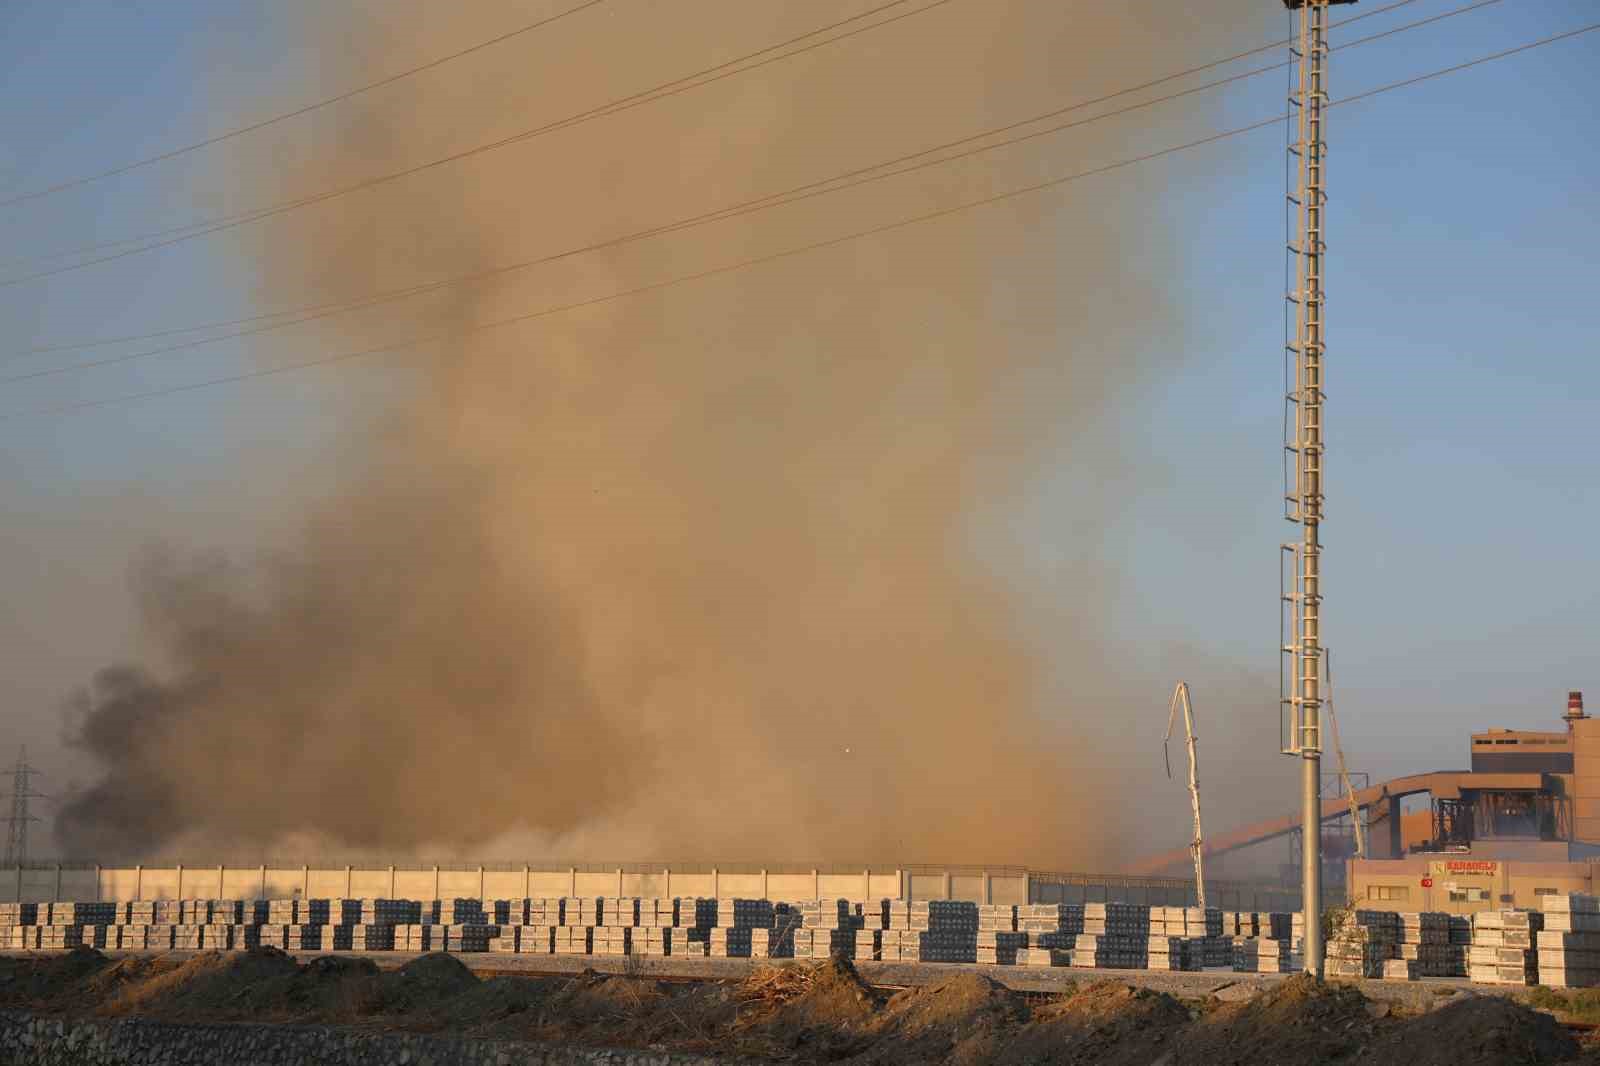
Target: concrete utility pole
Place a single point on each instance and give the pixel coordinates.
(21, 792)
(1180, 697)
(1308, 106)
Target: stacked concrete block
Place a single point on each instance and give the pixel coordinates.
(996, 918)
(1280, 925)
(15, 937)
(947, 930)
(1265, 955)
(82, 913)
(652, 940)
(802, 943)
(579, 912)
(59, 937)
(537, 940)
(283, 912)
(1502, 951)
(1115, 936)
(1167, 952)
(1043, 957)
(619, 912)
(1362, 942)
(1567, 948)
(572, 940)
(999, 947)
(19, 914)
(186, 937)
(508, 942)
(1424, 944)
(744, 914)
(246, 937)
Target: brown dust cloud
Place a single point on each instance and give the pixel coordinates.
(708, 572)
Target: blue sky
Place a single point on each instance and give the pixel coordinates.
(1462, 363)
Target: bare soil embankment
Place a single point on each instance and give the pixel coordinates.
(806, 1013)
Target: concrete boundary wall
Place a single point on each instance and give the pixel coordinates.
(277, 879)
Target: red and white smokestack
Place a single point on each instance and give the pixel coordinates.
(1575, 706)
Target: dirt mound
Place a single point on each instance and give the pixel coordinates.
(425, 981)
(1106, 1022)
(1300, 1020)
(212, 982)
(38, 982)
(962, 1019)
(1475, 1030)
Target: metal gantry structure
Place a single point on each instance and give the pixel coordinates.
(1304, 349)
(21, 792)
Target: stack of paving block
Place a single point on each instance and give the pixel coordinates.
(1169, 952)
(283, 911)
(306, 937)
(312, 911)
(1263, 955)
(611, 939)
(1115, 935)
(508, 941)
(1362, 941)
(947, 930)
(544, 911)
(470, 937)
(572, 939)
(1502, 951)
(14, 937)
(389, 912)
(999, 939)
(1051, 927)
(579, 912)
(653, 940)
(194, 912)
(19, 914)
(1567, 949)
(1280, 925)
(415, 936)
(835, 924)
(1240, 923)
(736, 920)
(618, 912)
(1424, 949)
(246, 937)
(59, 937)
(537, 940)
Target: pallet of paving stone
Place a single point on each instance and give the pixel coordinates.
(801, 943)
(537, 940)
(744, 913)
(507, 943)
(283, 912)
(651, 940)
(1173, 953)
(60, 937)
(1570, 903)
(19, 914)
(729, 943)
(470, 937)
(1571, 921)
(618, 911)
(838, 914)
(686, 948)
(14, 937)
(572, 940)
(997, 918)
(313, 911)
(83, 913)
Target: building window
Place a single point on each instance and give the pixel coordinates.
(1547, 892)
(1389, 892)
(1469, 895)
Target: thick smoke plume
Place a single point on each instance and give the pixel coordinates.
(707, 573)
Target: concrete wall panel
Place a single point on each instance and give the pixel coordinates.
(968, 887)
(284, 883)
(414, 884)
(927, 886)
(792, 888)
(459, 884)
(370, 883)
(885, 884)
(504, 884)
(1008, 890)
(543, 883)
(241, 882)
(118, 883)
(688, 886)
(841, 886)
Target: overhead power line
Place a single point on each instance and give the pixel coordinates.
(297, 112)
(836, 183)
(786, 253)
(710, 75)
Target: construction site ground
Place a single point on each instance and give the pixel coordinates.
(823, 1011)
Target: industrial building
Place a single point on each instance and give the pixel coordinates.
(1522, 822)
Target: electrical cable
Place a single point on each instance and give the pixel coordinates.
(786, 253)
(297, 112)
(711, 75)
(837, 182)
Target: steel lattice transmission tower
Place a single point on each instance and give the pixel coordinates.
(21, 792)
(1302, 640)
